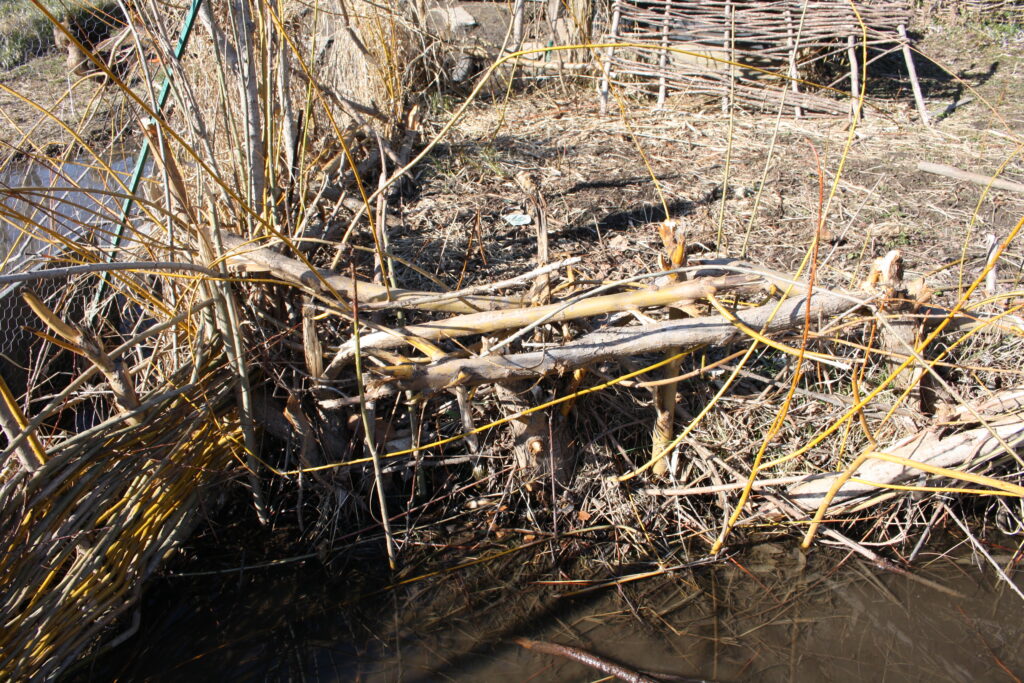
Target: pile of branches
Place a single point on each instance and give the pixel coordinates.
(511, 342)
(89, 516)
(242, 326)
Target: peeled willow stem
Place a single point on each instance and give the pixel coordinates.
(244, 254)
(476, 289)
(674, 240)
(13, 423)
(837, 484)
(929, 450)
(491, 321)
(665, 409)
(609, 344)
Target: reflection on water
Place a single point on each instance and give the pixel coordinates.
(773, 614)
(41, 204)
(76, 199)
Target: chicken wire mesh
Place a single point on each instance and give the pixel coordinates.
(52, 214)
(26, 32)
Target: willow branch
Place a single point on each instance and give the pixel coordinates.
(254, 258)
(481, 323)
(713, 330)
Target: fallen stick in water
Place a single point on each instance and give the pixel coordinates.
(586, 658)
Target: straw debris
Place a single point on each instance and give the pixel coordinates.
(368, 306)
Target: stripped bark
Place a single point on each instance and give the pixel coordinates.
(253, 258)
(605, 345)
(932, 446)
(482, 323)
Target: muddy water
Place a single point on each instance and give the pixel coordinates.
(771, 614)
(41, 203)
(71, 199)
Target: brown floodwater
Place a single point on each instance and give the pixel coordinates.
(771, 613)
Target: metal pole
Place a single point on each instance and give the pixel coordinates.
(140, 163)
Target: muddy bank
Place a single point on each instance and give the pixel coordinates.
(96, 113)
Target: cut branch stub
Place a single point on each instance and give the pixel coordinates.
(539, 445)
(899, 334)
(674, 240)
(529, 432)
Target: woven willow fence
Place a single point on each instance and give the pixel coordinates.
(747, 53)
(1000, 9)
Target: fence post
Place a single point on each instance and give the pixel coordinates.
(606, 73)
(914, 83)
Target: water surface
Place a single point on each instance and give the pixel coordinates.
(771, 614)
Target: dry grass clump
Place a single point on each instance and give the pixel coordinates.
(973, 10)
(329, 84)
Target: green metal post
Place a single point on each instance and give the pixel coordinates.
(140, 163)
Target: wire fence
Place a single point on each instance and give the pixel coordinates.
(27, 33)
(44, 208)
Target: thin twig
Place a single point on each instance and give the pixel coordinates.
(583, 657)
(368, 431)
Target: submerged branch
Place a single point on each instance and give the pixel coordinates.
(583, 657)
